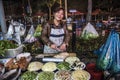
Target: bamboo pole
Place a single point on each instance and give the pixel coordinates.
(60, 3)
(66, 9)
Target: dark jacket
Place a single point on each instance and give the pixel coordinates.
(47, 29)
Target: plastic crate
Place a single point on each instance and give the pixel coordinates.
(10, 53)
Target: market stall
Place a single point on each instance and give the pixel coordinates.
(18, 60)
(28, 60)
(53, 66)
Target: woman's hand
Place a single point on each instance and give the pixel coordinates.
(53, 46)
(63, 47)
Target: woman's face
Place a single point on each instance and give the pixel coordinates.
(59, 15)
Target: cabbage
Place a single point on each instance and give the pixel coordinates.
(49, 66)
(35, 66)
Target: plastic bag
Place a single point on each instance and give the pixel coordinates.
(20, 29)
(38, 30)
(109, 54)
(106, 53)
(10, 32)
(30, 36)
(89, 32)
(17, 38)
(116, 63)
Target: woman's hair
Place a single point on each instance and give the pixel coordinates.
(58, 9)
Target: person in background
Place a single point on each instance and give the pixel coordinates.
(69, 20)
(55, 35)
(99, 24)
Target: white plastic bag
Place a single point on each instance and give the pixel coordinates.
(17, 38)
(20, 29)
(89, 32)
(10, 32)
(30, 36)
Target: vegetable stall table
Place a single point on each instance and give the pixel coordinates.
(29, 67)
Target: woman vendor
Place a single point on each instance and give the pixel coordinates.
(55, 35)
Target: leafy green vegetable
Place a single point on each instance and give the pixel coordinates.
(45, 76)
(38, 31)
(63, 66)
(28, 75)
(6, 44)
(35, 47)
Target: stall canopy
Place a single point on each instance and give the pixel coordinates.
(76, 13)
(96, 12)
(100, 12)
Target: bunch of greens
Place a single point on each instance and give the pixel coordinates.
(63, 66)
(35, 47)
(6, 44)
(45, 76)
(89, 35)
(83, 45)
(28, 75)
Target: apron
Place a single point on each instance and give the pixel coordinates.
(57, 37)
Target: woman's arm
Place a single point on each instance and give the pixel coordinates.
(45, 34)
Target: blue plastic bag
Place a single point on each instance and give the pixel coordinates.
(106, 53)
(116, 62)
